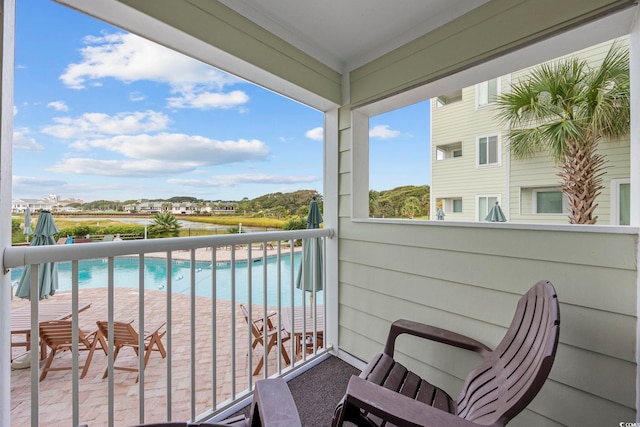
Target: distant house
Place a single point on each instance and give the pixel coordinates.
(224, 208)
(150, 207)
(183, 208)
(21, 205)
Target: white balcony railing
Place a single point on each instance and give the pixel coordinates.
(207, 343)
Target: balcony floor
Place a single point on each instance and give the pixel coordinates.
(55, 389)
(318, 391)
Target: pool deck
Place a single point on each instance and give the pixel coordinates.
(55, 389)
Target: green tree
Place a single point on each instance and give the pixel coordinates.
(278, 211)
(565, 109)
(164, 224)
(411, 207)
(296, 223)
(374, 200)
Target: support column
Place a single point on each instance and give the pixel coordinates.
(331, 218)
(634, 178)
(8, 9)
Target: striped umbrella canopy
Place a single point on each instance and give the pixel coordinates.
(48, 271)
(312, 254)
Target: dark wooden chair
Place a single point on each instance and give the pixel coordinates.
(58, 336)
(493, 393)
(124, 335)
(257, 331)
(272, 406)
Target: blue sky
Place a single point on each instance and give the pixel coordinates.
(104, 114)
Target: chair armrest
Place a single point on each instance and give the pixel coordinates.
(433, 333)
(396, 408)
(273, 405)
(155, 330)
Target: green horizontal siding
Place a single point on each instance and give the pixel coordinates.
(492, 29)
(468, 280)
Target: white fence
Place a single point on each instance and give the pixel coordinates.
(303, 339)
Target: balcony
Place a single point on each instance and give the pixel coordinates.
(459, 276)
(210, 366)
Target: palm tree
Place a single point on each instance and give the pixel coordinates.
(564, 109)
(411, 207)
(165, 224)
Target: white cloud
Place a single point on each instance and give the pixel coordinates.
(136, 97)
(317, 134)
(15, 111)
(58, 106)
(383, 132)
(127, 168)
(195, 150)
(99, 124)
(129, 58)
(231, 180)
(22, 141)
(208, 100)
(29, 181)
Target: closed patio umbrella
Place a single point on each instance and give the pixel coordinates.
(27, 224)
(312, 253)
(47, 272)
(495, 214)
(440, 214)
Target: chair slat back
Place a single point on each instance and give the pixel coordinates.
(255, 330)
(56, 332)
(511, 376)
(123, 333)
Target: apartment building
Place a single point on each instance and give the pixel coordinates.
(472, 167)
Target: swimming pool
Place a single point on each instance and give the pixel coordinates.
(93, 274)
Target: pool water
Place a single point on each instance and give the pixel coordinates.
(93, 274)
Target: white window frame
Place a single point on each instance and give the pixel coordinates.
(604, 29)
(615, 199)
(486, 196)
(489, 102)
(498, 149)
(534, 200)
(453, 199)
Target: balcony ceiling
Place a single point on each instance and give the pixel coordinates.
(347, 34)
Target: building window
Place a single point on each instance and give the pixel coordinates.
(449, 151)
(456, 205)
(487, 92)
(484, 204)
(620, 201)
(488, 150)
(549, 201)
(448, 205)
